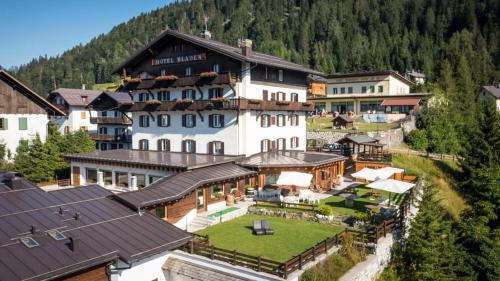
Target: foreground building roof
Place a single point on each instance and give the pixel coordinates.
(493, 90)
(175, 187)
(37, 228)
(289, 159)
(75, 97)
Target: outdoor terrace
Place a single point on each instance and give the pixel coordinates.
(110, 137)
(110, 120)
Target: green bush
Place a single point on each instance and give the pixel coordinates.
(417, 139)
(325, 211)
(361, 216)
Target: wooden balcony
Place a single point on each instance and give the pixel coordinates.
(109, 137)
(193, 80)
(379, 157)
(111, 120)
(221, 104)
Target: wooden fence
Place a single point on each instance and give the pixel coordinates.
(434, 156)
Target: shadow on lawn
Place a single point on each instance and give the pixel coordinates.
(357, 205)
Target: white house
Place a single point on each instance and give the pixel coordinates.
(491, 92)
(23, 113)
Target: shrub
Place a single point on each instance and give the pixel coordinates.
(325, 211)
(417, 139)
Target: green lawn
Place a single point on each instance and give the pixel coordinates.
(337, 203)
(325, 124)
(291, 236)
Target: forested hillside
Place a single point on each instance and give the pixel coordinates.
(331, 36)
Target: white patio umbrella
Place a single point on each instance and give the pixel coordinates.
(391, 185)
(387, 172)
(294, 178)
(367, 174)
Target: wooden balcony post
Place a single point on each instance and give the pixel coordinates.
(259, 263)
(285, 270)
(234, 257)
(212, 252)
(191, 247)
(385, 230)
(314, 252)
(300, 261)
(326, 247)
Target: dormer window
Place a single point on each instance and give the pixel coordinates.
(189, 71)
(216, 68)
(84, 99)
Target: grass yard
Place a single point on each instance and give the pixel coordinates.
(291, 236)
(337, 203)
(441, 175)
(325, 124)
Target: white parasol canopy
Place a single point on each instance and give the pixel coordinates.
(391, 185)
(294, 178)
(376, 174)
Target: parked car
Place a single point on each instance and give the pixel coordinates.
(331, 147)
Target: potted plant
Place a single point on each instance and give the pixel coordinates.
(254, 101)
(184, 101)
(153, 102)
(166, 78)
(132, 80)
(283, 102)
(208, 74)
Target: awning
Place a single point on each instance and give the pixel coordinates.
(392, 102)
(294, 178)
(391, 185)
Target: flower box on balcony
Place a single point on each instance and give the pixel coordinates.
(166, 78)
(218, 99)
(132, 80)
(153, 102)
(254, 101)
(308, 103)
(184, 101)
(282, 102)
(208, 74)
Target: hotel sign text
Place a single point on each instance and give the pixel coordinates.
(179, 59)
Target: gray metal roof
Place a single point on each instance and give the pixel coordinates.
(106, 229)
(175, 187)
(358, 139)
(290, 158)
(493, 90)
(216, 46)
(154, 158)
(110, 101)
(73, 97)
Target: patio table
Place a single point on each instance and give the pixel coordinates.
(349, 198)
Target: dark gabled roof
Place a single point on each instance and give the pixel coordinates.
(106, 229)
(175, 187)
(493, 90)
(289, 158)
(344, 117)
(110, 101)
(372, 73)
(73, 97)
(153, 158)
(216, 46)
(47, 106)
(358, 139)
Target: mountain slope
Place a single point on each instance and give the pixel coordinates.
(331, 36)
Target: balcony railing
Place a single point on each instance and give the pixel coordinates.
(110, 137)
(111, 120)
(193, 80)
(222, 104)
(384, 157)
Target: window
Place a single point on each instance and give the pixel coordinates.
(281, 120)
(152, 179)
(216, 68)
(66, 129)
(107, 177)
(372, 89)
(103, 131)
(189, 71)
(121, 179)
(163, 95)
(160, 212)
(143, 144)
(216, 148)
(272, 178)
(163, 145)
(372, 106)
(103, 146)
(143, 96)
(265, 95)
(294, 142)
(294, 97)
(363, 89)
(342, 107)
(265, 120)
(264, 145)
(163, 72)
(215, 93)
(280, 96)
(4, 123)
(189, 146)
(281, 143)
(143, 121)
(105, 114)
(334, 90)
(163, 120)
(188, 94)
(188, 120)
(84, 99)
(294, 120)
(23, 123)
(217, 191)
(83, 115)
(380, 89)
(280, 75)
(141, 180)
(84, 128)
(266, 74)
(349, 90)
(342, 90)
(216, 120)
(90, 176)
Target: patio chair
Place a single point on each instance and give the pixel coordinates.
(267, 229)
(257, 227)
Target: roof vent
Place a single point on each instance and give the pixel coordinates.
(29, 242)
(77, 216)
(246, 47)
(74, 243)
(206, 34)
(13, 181)
(61, 211)
(33, 229)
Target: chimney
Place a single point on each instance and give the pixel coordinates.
(33, 229)
(74, 243)
(13, 181)
(133, 183)
(246, 47)
(206, 34)
(83, 87)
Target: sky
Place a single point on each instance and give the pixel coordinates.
(33, 28)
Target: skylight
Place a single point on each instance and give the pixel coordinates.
(29, 242)
(55, 234)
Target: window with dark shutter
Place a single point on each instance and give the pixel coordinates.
(273, 96)
(211, 121)
(143, 144)
(216, 148)
(163, 145)
(163, 120)
(273, 145)
(189, 146)
(273, 120)
(265, 95)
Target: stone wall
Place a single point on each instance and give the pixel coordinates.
(391, 138)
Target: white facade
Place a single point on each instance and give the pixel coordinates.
(78, 118)
(13, 133)
(147, 269)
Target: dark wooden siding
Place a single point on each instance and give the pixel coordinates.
(97, 273)
(289, 77)
(13, 101)
(180, 208)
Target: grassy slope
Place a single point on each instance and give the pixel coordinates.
(440, 173)
(325, 124)
(291, 236)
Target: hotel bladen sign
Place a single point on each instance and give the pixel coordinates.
(179, 59)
